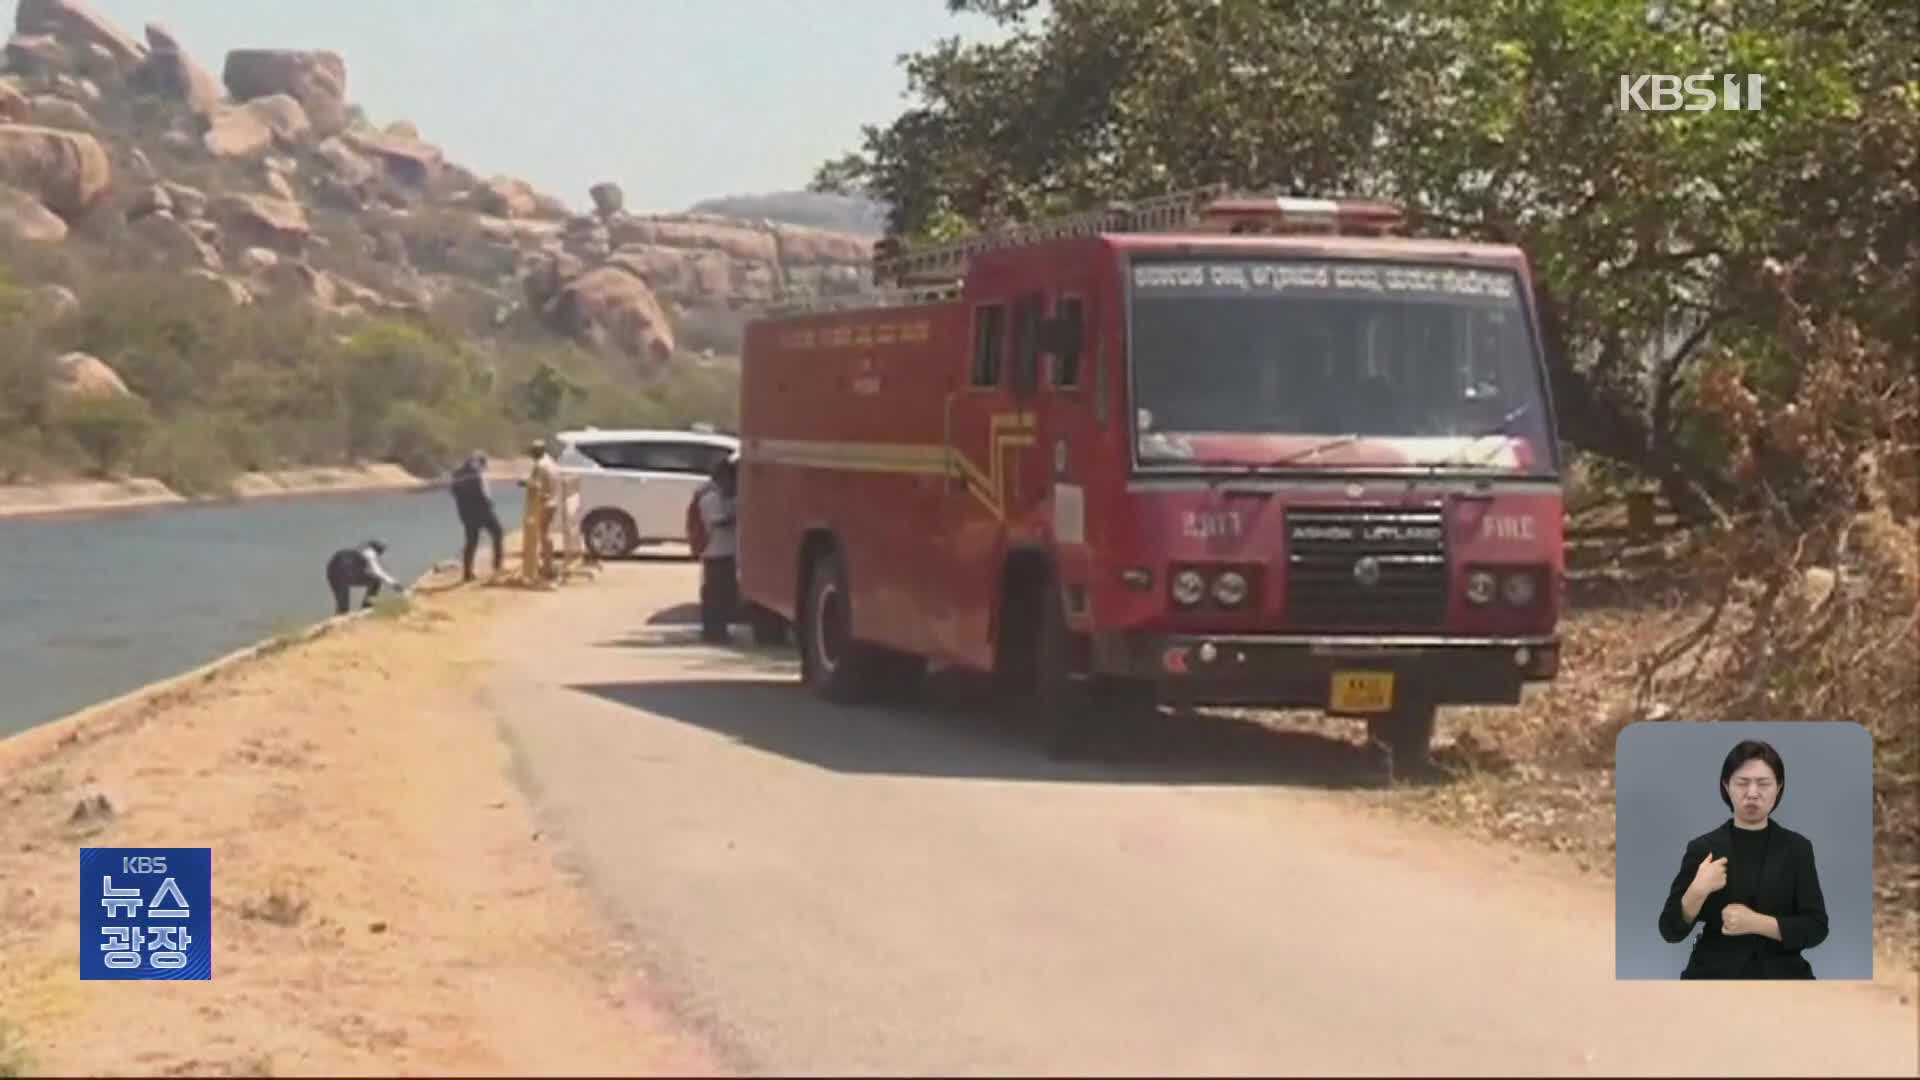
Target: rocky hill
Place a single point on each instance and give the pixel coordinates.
(267, 181)
(269, 188)
(841, 213)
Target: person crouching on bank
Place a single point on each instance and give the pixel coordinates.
(358, 568)
(719, 587)
(1750, 882)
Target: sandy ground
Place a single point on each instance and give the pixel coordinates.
(383, 903)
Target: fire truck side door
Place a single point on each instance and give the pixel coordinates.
(1066, 428)
(978, 412)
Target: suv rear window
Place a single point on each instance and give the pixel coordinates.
(694, 458)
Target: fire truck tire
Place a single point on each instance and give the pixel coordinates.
(1406, 733)
(838, 668)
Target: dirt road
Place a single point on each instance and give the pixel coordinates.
(918, 890)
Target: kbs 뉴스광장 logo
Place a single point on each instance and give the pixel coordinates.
(146, 913)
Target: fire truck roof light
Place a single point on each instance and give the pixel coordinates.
(1323, 208)
(1214, 208)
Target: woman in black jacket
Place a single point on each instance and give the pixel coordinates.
(1751, 883)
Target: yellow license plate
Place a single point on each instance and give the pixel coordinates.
(1362, 691)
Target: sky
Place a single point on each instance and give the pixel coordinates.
(675, 100)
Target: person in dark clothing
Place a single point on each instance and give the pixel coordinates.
(358, 568)
(719, 587)
(477, 515)
(1751, 883)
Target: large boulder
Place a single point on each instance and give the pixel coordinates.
(610, 307)
(699, 231)
(317, 79)
(178, 242)
(170, 73)
(344, 163)
(260, 221)
(237, 133)
(55, 302)
(22, 217)
(232, 291)
(79, 374)
(37, 56)
(608, 199)
(15, 106)
(68, 171)
(546, 273)
(409, 162)
(798, 244)
(285, 117)
(505, 197)
(153, 199)
(188, 202)
(73, 21)
(58, 112)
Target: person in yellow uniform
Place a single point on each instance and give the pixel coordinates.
(542, 487)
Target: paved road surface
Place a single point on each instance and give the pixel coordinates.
(916, 891)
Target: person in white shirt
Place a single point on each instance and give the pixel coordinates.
(352, 568)
(719, 588)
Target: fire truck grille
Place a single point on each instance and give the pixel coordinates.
(1366, 569)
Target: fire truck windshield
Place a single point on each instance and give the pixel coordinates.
(1257, 361)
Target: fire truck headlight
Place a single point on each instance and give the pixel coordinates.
(1230, 588)
(1188, 588)
(1518, 589)
(1481, 586)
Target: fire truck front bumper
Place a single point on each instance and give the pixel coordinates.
(1347, 674)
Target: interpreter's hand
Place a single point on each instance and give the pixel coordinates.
(1736, 919)
(1711, 877)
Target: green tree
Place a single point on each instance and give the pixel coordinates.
(1650, 232)
(108, 428)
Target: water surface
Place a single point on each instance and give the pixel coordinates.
(96, 605)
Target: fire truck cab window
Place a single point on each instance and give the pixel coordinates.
(989, 343)
(1428, 369)
(1066, 355)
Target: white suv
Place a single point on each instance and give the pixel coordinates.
(635, 485)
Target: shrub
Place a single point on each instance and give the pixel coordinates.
(190, 456)
(108, 428)
(418, 439)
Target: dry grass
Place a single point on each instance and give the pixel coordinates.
(1541, 775)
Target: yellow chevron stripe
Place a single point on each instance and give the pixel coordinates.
(1005, 431)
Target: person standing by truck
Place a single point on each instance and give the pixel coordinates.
(719, 585)
(477, 514)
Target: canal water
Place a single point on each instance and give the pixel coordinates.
(94, 606)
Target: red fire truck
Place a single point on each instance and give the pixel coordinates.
(1212, 449)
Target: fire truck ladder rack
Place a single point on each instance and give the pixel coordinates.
(935, 273)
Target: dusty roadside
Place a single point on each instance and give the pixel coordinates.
(384, 901)
(84, 496)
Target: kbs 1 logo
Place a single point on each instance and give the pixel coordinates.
(146, 913)
(1694, 93)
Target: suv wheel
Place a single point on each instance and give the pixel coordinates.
(609, 534)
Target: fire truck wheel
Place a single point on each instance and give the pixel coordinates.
(610, 534)
(1406, 733)
(838, 668)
